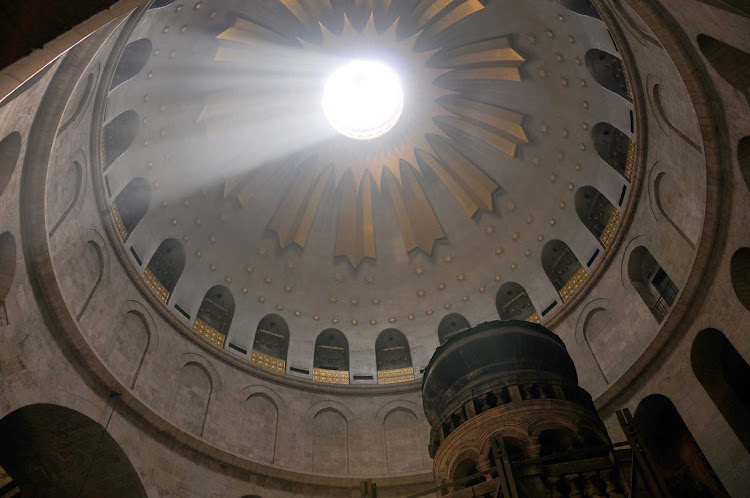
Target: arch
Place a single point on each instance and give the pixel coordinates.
(83, 101)
(131, 205)
(563, 268)
(93, 257)
(723, 372)
(10, 149)
(330, 448)
(513, 303)
(130, 343)
(331, 357)
(192, 396)
(739, 269)
(604, 339)
(271, 343)
(215, 315)
(134, 58)
(653, 284)
(7, 264)
(743, 158)
(165, 268)
(596, 213)
(613, 146)
(260, 425)
(119, 135)
(47, 450)
(72, 191)
(393, 357)
(403, 447)
(669, 197)
(465, 468)
(672, 446)
(582, 7)
(731, 63)
(450, 325)
(608, 71)
(558, 443)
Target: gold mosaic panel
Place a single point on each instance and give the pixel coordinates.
(572, 286)
(628, 89)
(268, 362)
(533, 318)
(155, 285)
(118, 222)
(331, 376)
(630, 163)
(209, 332)
(395, 375)
(609, 229)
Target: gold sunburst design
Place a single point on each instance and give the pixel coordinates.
(441, 106)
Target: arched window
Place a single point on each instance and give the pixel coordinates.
(331, 360)
(739, 270)
(614, 147)
(119, 135)
(682, 463)
(393, 357)
(743, 157)
(131, 205)
(215, 315)
(582, 7)
(563, 268)
(271, 343)
(165, 268)
(10, 149)
(608, 71)
(513, 303)
(134, 57)
(597, 214)
(731, 63)
(451, 325)
(655, 287)
(724, 374)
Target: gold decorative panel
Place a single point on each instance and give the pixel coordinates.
(630, 163)
(208, 332)
(268, 362)
(155, 285)
(572, 285)
(609, 229)
(331, 376)
(118, 222)
(533, 318)
(395, 375)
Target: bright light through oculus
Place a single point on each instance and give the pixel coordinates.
(363, 99)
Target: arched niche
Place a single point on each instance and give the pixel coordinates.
(393, 357)
(651, 281)
(674, 450)
(582, 7)
(615, 148)
(731, 63)
(131, 205)
(134, 58)
(451, 325)
(165, 268)
(119, 135)
(48, 450)
(403, 448)
(65, 197)
(192, 396)
(563, 268)
(723, 372)
(513, 303)
(215, 315)
(7, 264)
(605, 340)
(10, 149)
(743, 157)
(739, 270)
(330, 442)
(465, 468)
(260, 425)
(128, 347)
(608, 71)
(271, 343)
(675, 208)
(331, 357)
(597, 213)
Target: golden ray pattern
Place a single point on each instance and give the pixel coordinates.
(438, 117)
